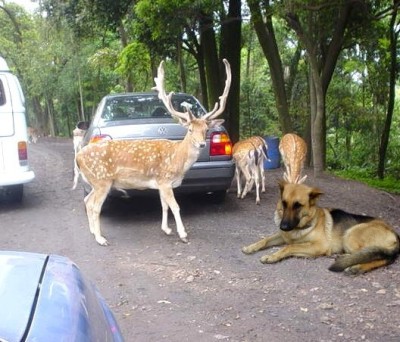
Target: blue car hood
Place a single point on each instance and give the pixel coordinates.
(47, 298)
(20, 275)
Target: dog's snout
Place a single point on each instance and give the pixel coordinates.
(286, 226)
(202, 144)
(289, 222)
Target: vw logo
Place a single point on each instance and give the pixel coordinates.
(162, 130)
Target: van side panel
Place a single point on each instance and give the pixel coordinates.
(6, 110)
(14, 167)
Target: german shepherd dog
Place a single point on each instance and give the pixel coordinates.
(307, 230)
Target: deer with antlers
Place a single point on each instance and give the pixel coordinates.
(249, 156)
(147, 164)
(293, 150)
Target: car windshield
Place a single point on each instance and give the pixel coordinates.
(144, 106)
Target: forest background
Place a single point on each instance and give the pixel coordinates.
(327, 70)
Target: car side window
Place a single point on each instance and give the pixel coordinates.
(2, 94)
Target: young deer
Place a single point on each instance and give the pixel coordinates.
(147, 164)
(293, 150)
(249, 156)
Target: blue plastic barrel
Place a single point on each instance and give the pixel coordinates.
(273, 153)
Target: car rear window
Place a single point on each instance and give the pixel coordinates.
(146, 106)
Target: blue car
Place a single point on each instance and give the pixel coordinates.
(47, 298)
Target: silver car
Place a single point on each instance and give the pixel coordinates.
(143, 116)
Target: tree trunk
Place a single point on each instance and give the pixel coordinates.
(322, 65)
(50, 117)
(210, 54)
(203, 81)
(230, 49)
(182, 70)
(318, 124)
(124, 42)
(392, 92)
(82, 107)
(266, 37)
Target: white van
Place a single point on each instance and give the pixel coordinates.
(14, 166)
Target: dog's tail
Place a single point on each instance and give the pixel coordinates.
(366, 259)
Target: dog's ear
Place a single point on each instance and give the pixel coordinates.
(314, 195)
(282, 184)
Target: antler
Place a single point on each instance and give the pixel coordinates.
(220, 107)
(166, 99)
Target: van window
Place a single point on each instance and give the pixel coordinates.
(2, 94)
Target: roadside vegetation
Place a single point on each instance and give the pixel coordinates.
(327, 70)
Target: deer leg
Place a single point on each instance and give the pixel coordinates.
(262, 175)
(76, 175)
(94, 201)
(167, 195)
(164, 224)
(238, 181)
(257, 182)
(249, 182)
(86, 200)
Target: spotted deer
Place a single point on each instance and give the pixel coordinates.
(147, 164)
(293, 150)
(249, 156)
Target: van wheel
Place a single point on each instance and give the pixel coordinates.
(14, 193)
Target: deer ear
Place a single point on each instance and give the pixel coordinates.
(184, 123)
(215, 123)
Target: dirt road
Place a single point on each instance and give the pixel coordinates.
(207, 290)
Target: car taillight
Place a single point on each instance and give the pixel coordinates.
(99, 137)
(22, 153)
(220, 144)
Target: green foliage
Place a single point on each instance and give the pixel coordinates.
(78, 48)
(134, 59)
(390, 184)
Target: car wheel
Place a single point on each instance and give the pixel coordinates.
(14, 193)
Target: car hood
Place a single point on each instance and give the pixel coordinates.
(47, 298)
(20, 275)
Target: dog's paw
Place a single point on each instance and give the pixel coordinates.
(247, 250)
(353, 270)
(269, 259)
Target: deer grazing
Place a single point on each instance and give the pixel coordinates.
(147, 164)
(293, 150)
(249, 156)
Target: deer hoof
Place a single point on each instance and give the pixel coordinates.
(184, 239)
(167, 230)
(101, 241)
